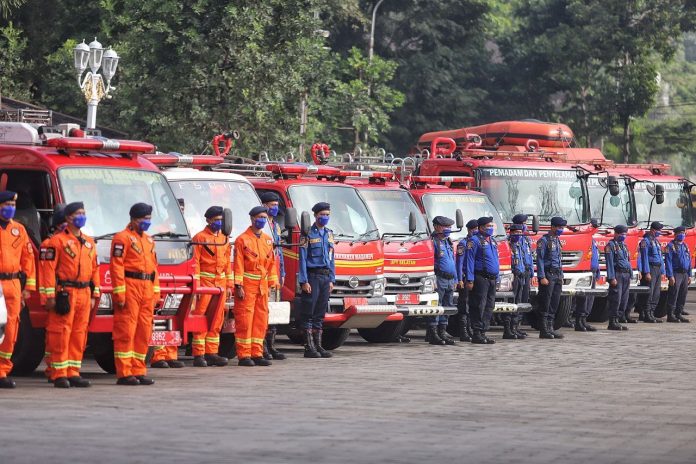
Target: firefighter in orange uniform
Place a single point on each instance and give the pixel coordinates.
(16, 256)
(136, 290)
(254, 273)
(69, 275)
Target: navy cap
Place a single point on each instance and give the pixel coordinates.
(442, 221)
(58, 216)
(679, 229)
(213, 211)
(620, 229)
(140, 210)
(267, 197)
(558, 222)
(516, 227)
(472, 224)
(594, 222)
(321, 206)
(256, 210)
(482, 221)
(7, 195)
(70, 208)
(656, 225)
(519, 218)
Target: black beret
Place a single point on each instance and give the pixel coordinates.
(7, 195)
(482, 221)
(620, 229)
(58, 216)
(70, 208)
(516, 227)
(520, 218)
(558, 222)
(472, 224)
(267, 197)
(213, 211)
(594, 222)
(256, 210)
(140, 210)
(442, 221)
(656, 225)
(679, 229)
(321, 206)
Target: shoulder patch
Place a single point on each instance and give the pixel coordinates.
(470, 245)
(117, 251)
(460, 250)
(47, 254)
(643, 244)
(15, 232)
(303, 241)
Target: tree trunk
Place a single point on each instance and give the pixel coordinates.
(626, 140)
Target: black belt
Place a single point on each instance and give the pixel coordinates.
(486, 275)
(680, 271)
(655, 264)
(445, 275)
(622, 269)
(9, 276)
(553, 270)
(73, 283)
(319, 270)
(140, 276)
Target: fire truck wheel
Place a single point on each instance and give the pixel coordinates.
(103, 349)
(661, 308)
(600, 311)
(386, 332)
(227, 347)
(565, 309)
(334, 338)
(29, 348)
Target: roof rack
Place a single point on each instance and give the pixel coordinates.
(29, 116)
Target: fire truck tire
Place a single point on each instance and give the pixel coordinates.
(386, 332)
(661, 308)
(103, 349)
(30, 346)
(565, 309)
(334, 338)
(227, 347)
(600, 311)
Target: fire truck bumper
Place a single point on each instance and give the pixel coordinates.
(361, 313)
(410, 299)
(506, 308)
(426, 310)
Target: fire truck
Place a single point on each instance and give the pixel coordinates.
(48, 166)
(358, 299)
(522, 179)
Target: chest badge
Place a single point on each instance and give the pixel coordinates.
(15, 232)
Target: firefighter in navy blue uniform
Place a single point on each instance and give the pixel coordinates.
(550, 274)
(446, 275)
(525, 283)
(519, 271)
(619, 277)
(652, 268)
(317, 276)
(482, 269)
(271, 201)
(583, 304)
(462, 300)
(678, 270)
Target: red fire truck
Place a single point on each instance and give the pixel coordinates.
(48, 166)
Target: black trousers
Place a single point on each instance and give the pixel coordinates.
(550, 296)
(618, 296)
(583, 304)
(676, 298)
(649, 300)
(481, 302)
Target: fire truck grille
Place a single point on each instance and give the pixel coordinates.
(343, 288)
(394, 285)
(571, 258)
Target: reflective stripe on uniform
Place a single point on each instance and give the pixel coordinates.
(5, 355)
(60, 365)
(257, 340)
(198, 341)
(244, 341)
(123, 354)
(73, 363)
(120, 289)
(156, 289)
(139, 356)
(251, 276)
(212, 339)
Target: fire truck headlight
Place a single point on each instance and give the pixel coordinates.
(105, 301)
(378, 287)
(429, 284)
(505, 284)
(584, 282)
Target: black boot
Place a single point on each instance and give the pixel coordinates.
(521, 334)
(463, 329)
(215, 360)
(648, 317)
(310, 350)
(61, 382)
(246, 362)
(144, 380)
(489, 341)
(587, 326)
(569, 323)
(8, 383)
(579, 327)
(442, 333)
(629, 320)
(129, 380)
(270, 343)
(478, 338)
(653, 318)
(682, 318)
(176, 364)
(508, 334)
(317, 344)
(671, 316)
(79, 382)
(614, 324)
(261, 361)
(161, 364)
(432, 336)
(199, 361)
(266, 354)
(544, 330)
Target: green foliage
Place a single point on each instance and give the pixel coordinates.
(12, 65)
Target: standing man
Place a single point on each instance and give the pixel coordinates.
(678, 268)
(16, 257)
(619, 276)
(254, 273)
(525, 249)
(518, 271)
(136, 291)
(446, 278)
(482, 269)
(550, 274)
(462, 302)
(583, 304)
(317, 275)
(69, 275)
(271, 201)
(652, 267)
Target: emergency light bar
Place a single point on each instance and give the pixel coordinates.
(655, 168)
(302, 169)
(110, 145)
(368, 174)
(178, 160)
(442, 179)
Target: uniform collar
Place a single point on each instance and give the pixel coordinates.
(5, 224)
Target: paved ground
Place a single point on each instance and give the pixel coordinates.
(591, 398)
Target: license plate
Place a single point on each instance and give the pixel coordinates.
(165, 338)
(407, 298)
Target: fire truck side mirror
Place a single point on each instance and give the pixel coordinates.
(290, 219)
(459, 219)
(411, 222)
(305, 223)
(227, 221)
(659, 194)
(535, 223)
(613, 185)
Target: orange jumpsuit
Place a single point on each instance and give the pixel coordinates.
(16, 254)
(136, 283)
(68, 262)
(43, 264)
(255, 270)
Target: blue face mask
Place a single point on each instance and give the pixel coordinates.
(489, 231)
(273, 210)
(524, 228)
(515, 238)
(475, 232)
(681, 236)
(7, 212)
(559, 231)
(620, 238)
(323, 220)
(657, 233)
(260, 223)
(79, 221)
(215, 226)
(144, 225)
(446, 232)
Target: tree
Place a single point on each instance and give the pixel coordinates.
(12, 64)
(9, 6)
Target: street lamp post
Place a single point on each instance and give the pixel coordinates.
(93, 87)
(371, 52)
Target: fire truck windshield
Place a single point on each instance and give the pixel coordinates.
(349, 215)
(199, 195)
(543, 192)
(617, 210)
(391, 209)
(108, 194)
(472, 207)
(675, 211)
